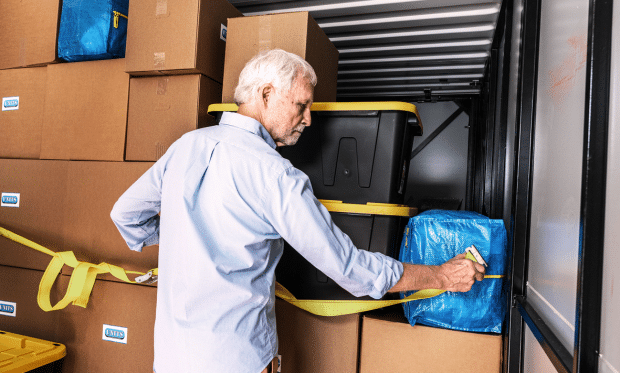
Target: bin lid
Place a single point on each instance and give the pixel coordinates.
(342, 106)
(19, 353)
(370, 208)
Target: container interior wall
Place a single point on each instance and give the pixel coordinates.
(439, 171)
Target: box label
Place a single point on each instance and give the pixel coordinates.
(10, 103)
(8, 308)
(114, 333)
(9, 200)
(222, 32)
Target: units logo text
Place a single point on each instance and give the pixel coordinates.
(7, 308)
(10, 103)
(114, 333)
(9, 200)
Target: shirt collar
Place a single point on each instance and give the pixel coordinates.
(248, 124)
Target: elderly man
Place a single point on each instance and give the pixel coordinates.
(227, 201)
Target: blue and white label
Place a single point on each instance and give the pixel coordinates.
(222, 32)
(9, 200)
(113, 333)
(8, 308)
(10, 103)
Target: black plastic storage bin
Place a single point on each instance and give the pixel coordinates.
(355, 152)
(372, 227)
(27, 354)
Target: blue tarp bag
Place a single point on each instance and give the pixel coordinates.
(436, 236)
(92, 29)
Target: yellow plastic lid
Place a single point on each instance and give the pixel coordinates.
(21, 354)
(370, 208)
(339, 106)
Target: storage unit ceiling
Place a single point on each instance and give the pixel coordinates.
(403, 50)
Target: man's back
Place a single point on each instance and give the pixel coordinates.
(217, 253)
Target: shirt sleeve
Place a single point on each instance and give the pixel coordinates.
(306, 225)
(135, 214)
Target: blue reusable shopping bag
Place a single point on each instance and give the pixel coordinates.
(92, 29)
(434, 237)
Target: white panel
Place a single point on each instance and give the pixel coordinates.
(556, 190)
(440, 170)
(535, 360)
(610, 322)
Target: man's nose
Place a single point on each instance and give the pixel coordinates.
(307, 117)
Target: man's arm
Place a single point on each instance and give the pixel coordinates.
(457, 274)
(135, 214)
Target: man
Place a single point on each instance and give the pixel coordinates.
(227, 200)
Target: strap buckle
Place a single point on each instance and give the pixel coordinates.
(148, 278)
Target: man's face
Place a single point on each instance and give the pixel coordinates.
(288, 113)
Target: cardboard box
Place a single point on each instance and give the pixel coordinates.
(119, 306)
(28, 32)
(19, 311)
(293, 32)
(88, 230)
(86, 111)
(392, 345)
(21, 118)
(177, 37)
(40, 187)
(310, 343)
(162, 109)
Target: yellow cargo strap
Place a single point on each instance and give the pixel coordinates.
(84, 275)
(346, 307)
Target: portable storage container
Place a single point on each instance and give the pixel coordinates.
(355, 152)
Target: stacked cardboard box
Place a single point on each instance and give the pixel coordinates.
(379, 341)
(293, 32)
(389, 344)
(309, 343)
(21, 117)
(164, 40)
(28, 31)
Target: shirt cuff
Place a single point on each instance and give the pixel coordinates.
(391, 273)
(153, 240)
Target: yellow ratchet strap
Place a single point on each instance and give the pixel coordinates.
(82, 279)
(84, 275)
(346, 307)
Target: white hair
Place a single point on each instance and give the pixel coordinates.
(276, 67)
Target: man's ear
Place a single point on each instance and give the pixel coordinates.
(267, 92)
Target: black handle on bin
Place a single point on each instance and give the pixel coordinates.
(413, 121)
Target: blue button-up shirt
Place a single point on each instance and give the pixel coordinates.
(227, 200)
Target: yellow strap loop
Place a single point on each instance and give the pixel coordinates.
(82, 279)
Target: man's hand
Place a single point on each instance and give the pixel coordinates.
(459, 274)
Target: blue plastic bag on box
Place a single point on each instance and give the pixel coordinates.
(92, 29)
(434, 237)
